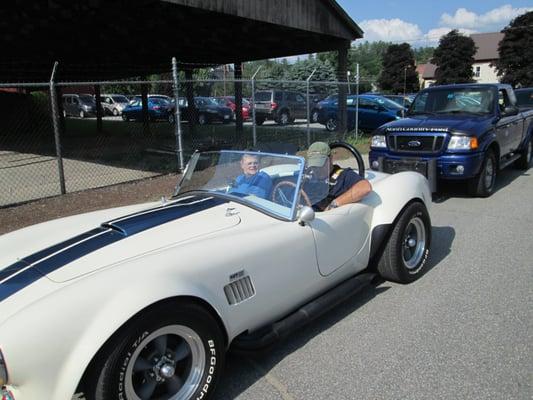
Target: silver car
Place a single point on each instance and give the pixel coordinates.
(113, 103)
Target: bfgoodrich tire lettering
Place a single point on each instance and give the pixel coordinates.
(406, 253)
(175, 352)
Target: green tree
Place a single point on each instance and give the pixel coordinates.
(515, 64)
(399, 72)
(454, 58)
(423, 55)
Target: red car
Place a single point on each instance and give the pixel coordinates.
(229, 101)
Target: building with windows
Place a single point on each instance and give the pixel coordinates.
(486, 54)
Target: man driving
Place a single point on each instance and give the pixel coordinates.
(252, 181)
(345, 185)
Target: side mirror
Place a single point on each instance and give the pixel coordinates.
(306, 215)
(510, 110)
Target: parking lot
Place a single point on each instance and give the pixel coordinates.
(463, 331)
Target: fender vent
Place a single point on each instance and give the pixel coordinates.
(239, 290)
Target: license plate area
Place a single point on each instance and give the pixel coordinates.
(394, 166)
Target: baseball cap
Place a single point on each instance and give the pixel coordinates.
(317, 154)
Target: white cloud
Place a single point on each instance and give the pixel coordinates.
(494, 19)
(390, 30)
(432, 37)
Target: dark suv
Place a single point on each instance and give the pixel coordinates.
(282, 106)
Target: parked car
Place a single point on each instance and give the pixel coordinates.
(158, 109)
(78, 105)
(113, 104)
(229, 101)
(142, 301)
(282, 106)
(524, 98)
(464, 132)
(404, 101)
(206, 110)
(374, 111)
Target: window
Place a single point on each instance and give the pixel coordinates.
(278, 96)
(478, 72)
(291, 96)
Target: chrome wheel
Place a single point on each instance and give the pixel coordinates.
(284, 118)
(414, 243)
(489, 173)
(167, 364)
(331, 124)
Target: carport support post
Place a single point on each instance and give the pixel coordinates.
(55, 121)
(254, 126)
(343, 62)
(144, 111)
(309, 109)
(238, 101)
(98, 108)
(177, 115)
(356, 101)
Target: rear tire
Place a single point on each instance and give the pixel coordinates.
(202, 119)
(125, 117)
(115, 112)
(483, 184)
(173, 351)
(526, 160)
(259, 121)
(284, 118)
(407, 249)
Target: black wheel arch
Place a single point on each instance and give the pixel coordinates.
(381, 234)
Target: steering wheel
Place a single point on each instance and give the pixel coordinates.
(279, 197)
(356, 154)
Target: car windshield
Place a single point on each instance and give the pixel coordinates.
(269, 182)
(120, 99)
(454, 101)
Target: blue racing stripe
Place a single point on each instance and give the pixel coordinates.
(57, 256)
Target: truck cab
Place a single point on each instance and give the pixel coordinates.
(457, 132)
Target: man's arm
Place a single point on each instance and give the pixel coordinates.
(355, 193)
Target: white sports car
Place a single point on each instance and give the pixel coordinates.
(141, 302)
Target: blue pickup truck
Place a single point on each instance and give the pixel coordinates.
(457, 132)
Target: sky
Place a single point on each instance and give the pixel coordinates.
(421, 23)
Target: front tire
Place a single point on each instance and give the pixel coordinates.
(483, 184)
(202, 119)
(174, 352)
(407, 250)
(331, 124)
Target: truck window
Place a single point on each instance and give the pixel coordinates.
(503, 99)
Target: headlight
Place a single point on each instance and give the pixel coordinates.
(3, 370)
(463, 143)
(379, 141)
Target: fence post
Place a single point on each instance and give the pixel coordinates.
(308, 109)
(254, 132)
(177, 115)
(55, 120)
(356, 101)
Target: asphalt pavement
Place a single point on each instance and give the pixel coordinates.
(462, 331)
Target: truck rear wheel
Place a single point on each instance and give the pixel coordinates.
(483, 184)
(526, 160)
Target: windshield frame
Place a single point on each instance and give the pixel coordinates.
(189, 169)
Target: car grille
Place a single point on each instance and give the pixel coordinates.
(239, 290)
(415, 144)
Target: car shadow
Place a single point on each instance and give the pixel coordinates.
(442, 238)
(450, 189)
(244, 369)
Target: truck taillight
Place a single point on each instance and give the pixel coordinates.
(273, 105)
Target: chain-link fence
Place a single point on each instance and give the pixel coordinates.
(59, 137)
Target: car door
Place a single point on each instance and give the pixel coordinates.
(341, 235)
(301, 107)
(367, 114)
(506, 126)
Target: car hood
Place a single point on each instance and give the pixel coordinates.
(61, 253)
(459, 123)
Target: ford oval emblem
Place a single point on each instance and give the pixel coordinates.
(414, 143)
